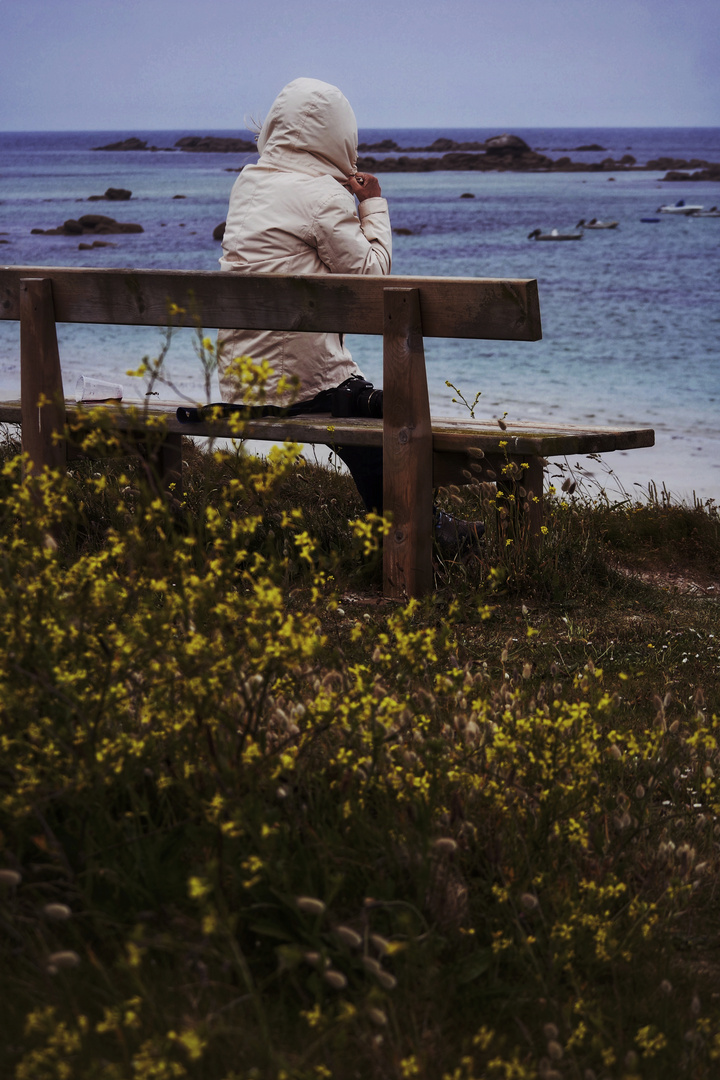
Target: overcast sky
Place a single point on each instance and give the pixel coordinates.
(208, 64)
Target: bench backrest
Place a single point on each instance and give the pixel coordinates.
(451, 307)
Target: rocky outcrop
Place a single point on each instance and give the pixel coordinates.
(499, 153)
(712, 172)
(440, 146)
(504, 145)
(384, 147)
(125, 144)
(113, 194)
(212, 144)
(96, 224)
(510, 157)
(663, 163)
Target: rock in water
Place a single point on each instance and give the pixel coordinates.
(212, 144)
(98, 224)
(506, 144)
(125, 144)
(113, 194)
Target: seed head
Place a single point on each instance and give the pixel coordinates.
(10, 877)
(445, 845)
(555, 1050)
(65, 959)
(382, 946)
(348, 936)
(386, 980)
(336, 979)
(59, 912)
(310, 905)
(550, 1031)
(377, 1016)
(529, 902)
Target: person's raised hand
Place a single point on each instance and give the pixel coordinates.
(364, 185)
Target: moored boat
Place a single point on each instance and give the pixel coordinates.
(680, 207)
(593, 223)
(712, 212)
(537, 234)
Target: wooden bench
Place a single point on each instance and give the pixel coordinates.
(420, 453)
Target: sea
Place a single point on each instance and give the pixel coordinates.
(631, 316)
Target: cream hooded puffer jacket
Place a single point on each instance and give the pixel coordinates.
(289, 214)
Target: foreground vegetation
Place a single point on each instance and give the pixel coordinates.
(257, 822)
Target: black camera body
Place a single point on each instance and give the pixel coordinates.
(357, 397)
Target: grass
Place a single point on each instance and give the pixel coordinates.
(258, 822)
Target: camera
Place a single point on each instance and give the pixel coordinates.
(357, 397)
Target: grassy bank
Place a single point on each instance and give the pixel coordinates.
(257, 822)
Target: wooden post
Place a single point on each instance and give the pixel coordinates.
(40, 374)
(533, 483)
(407, 449)
(169, 463)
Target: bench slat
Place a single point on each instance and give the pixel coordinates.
(487, 308)
(449, 433)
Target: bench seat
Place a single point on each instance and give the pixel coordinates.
(525, 443)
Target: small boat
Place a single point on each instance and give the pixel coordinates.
(593, 223)
(712, 212)
(651, 220)
(536, 234)
(680, 207)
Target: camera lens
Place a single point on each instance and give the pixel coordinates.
(369, 403)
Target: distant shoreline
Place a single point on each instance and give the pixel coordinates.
(501, 153)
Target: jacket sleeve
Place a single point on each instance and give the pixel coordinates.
(352, 244)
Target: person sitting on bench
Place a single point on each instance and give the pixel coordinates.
(294, 212)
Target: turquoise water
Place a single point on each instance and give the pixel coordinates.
(631, 316)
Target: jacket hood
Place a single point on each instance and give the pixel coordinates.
(310, 127)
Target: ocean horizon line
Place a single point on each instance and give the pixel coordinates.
(373, 127)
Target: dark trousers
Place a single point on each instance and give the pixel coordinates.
(364, 463)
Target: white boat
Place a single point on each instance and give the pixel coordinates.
(536, 234)
(680, 207)
(593, 223)
(712, 212)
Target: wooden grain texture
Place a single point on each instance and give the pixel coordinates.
(40, 376)
(407, 449)
(532, 481)
(449, 435)
(452, 307)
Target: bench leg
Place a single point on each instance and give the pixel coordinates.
(163, 456)
(40, 375)
(532, 481)
(407, 449)
(169, 463)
